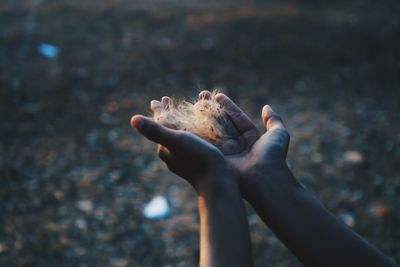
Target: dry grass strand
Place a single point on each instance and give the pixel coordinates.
(203, 118)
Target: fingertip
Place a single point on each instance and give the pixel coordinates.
(155, 105)
(205, 95)
(137, 122)
(221, 98)
(154, 102)
(165, 99)
(266, 111)
(267, 108)
(271, 119)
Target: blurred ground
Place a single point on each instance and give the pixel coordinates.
(74, 177)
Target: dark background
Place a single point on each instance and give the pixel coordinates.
(74, 177)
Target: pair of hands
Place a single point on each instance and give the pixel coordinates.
(244, 153)
(255, 164)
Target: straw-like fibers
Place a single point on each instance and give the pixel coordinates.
(203, 118)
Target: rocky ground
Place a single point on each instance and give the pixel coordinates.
(74, 177)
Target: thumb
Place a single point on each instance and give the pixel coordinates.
(276, 131)
(271, 119)
(155, 131)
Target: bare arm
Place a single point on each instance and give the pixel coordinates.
(303, 224)
(224, 234)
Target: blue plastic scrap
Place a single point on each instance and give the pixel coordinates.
(48, 50)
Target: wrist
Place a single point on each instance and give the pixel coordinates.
(275, 177)
(218, 183)
(218, 177)
(219, 195)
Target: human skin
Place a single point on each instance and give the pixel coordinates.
(301, 222)
(224, 233)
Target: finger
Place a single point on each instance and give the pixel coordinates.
(169, 159)
(271, 119)
(241, 121)
(205, 95)
(155, 131)
(166, 102)
(164, 154)
(239, 118)
(276, 130)
(155, 106)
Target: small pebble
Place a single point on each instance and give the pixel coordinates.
(157, 208)
(85, 205)
(379, 210)
(3, 248)
(81, 224)
(353, 157)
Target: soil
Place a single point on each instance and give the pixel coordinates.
(74, 177)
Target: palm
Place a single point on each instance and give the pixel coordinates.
(185, 154)
(244, 153)
(245, 146)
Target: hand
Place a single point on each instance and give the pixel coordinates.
(185, 154)
(306, 227)
(246, 148)
(224, 233)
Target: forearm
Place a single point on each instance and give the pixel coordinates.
(306, 227)
(224, 233)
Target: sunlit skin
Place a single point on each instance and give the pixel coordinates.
(224, 233)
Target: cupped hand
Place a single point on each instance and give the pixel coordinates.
(251, 152)
(185, 154)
